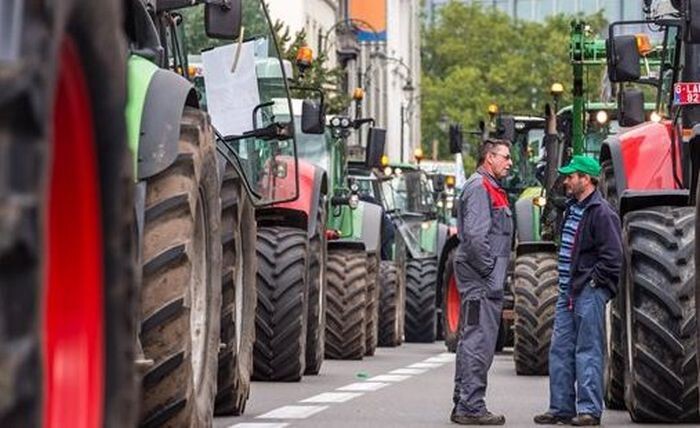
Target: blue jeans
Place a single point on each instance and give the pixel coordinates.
(577, 354)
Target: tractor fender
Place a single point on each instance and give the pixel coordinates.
(346, 243)
(156, 130)
(631, 200)
(371, 233)
(524, 248)
(449, 246)
(526, 219)
(642, 157)
(443, 234)
(313, 185)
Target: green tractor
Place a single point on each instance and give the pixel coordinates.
(525, 132)
(577, 129)
(376, 187)
(105, 212)
(351, 234)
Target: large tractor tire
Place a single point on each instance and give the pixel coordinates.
(283, 300)
(346, 308)
(239, 296)
(372, 304)
(536, 291)
(389, 304)
(661, 380)
(421, 283)
(451, 304)
(318, 259)
(181, 289)
(67, 286)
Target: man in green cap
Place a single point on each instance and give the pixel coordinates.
(590, 260)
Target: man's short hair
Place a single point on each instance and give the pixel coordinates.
(488, 146)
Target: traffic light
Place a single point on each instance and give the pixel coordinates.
(456, 139)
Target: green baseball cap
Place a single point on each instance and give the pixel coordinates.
(583, 164)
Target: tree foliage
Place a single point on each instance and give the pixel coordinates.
(474, 56)
(320, 75)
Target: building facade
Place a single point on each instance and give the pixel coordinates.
(383, 58)
(539, 10)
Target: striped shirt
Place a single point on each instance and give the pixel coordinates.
(566, 247)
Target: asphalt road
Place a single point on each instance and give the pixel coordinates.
(409, 386)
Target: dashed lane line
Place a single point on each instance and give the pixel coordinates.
(347, 393)
(425, 365)
(259, 425)
(389, 378)
(293, 412)
(332, 397)
(408, 371)
(363, 386)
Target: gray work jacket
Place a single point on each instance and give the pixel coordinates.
(485, 228)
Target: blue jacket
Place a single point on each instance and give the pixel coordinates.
(597, 253)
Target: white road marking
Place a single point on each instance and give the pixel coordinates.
(440, 359)
(389, 378)
(408, 371)
(332, 397)
(363, 386)
(447, 354)
(425, 365)
(293, 412)
(258, 425)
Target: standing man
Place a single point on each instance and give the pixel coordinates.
(590, 259)
(485, 230)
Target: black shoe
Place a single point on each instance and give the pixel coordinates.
(487, 418)
(585, 420)
(550, 419)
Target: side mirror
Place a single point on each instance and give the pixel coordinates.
(313, 117)
(376, 139)
(623, 59)
(224, 21)
(506, 128)
(631, 107)
(456, 139)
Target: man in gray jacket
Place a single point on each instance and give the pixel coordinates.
(485, 230)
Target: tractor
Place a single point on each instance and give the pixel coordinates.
(113, 226)
(526, 133)
(650, 175)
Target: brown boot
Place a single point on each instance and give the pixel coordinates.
(487, 418)
(585, 420)
(551, 419)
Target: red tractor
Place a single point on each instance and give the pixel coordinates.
(650, 174)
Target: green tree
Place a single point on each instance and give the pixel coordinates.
(474, 56)
(319, 75)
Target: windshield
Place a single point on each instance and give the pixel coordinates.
(256, 83)
(527, 150)
(313, 147)
(413, 192)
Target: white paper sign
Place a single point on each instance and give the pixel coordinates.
(231, 97)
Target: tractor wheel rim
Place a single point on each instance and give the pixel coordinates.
(453, 304)
(73, 341)
(200, 294)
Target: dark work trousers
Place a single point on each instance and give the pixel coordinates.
(482, 302)
(577, 353)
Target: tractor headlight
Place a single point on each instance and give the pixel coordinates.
(345, 122)
(539, 201)
(425, 225)
(449, 205)
(439, 204)
(655, 117)
(602, 117)
(354, 201)
(335, 122)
